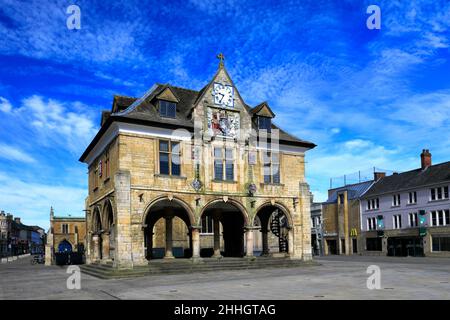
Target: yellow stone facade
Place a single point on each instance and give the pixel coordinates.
(126, 192)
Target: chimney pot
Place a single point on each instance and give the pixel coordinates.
(378, 175)
(425, 159)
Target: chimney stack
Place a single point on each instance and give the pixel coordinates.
(378, 175)
(17, 220)
(425, 159)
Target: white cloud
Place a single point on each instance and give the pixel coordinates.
(5, 105)
(68, 125)
(429, 110)
(31, 201)
(15, 154)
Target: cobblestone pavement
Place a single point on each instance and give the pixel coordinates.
(336, 277)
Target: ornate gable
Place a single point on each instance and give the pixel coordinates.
(220, 109)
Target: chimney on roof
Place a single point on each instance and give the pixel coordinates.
(17, 220)
(2, 213)
(378, 175)
(425, 159)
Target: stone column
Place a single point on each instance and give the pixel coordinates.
(249, 241)
(195, 242)
(169, 225)
(105, 246)
(123, 251)
(265, 241)
(149, 244)
(96, 247)
(216, 236)
(291, 242)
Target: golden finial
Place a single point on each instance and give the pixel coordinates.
(221, 57)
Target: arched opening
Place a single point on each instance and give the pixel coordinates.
(273, 236)
(96, 235)
(222, 232)
(167, 231)
(109, 232)
(64, 247)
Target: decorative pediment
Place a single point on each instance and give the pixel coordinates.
(263, 110)
(168, 95)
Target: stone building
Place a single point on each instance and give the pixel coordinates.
(5, 233)
(17, 238)
(186, 173)
(316, 228)
(341, 219)
(408, 214)
(66, 234)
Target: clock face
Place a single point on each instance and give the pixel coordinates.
(223, 95)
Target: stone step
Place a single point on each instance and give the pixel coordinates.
(165, 267)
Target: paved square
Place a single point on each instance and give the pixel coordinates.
(336, 277)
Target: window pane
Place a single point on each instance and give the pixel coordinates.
(229, 154)
(163, 163)
(439, 193)
(275, 157)
(433, 194)
(436, 246)
(229, 171)
(175, 165)
(446, 192)
(266, 157)
(210, 224)
(447, 217)
(264, 123)
(175, 147)
(164, 146)
(218, 153)
(171, 109)
(441, 217)
(445, 244)
(204, 224)
(276, 173)
(218, 170)
(163, 108)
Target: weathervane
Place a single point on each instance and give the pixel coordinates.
(221, 57)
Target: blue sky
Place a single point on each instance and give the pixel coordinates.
(365, 97)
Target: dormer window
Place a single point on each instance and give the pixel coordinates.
(264, 123)
(167, 109)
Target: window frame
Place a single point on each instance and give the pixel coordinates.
(269, 155)
(397, 221)
(170, 154)
(413, 219)
(166, 104)
(396, 202)
(266, 120)
(209, 225)
(412, 197)
(224, 162)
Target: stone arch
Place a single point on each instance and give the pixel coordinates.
(108, 212)
(278, 205)
(181, 202)
(234, 202)
(64, 244)
(108, 235)
(96, 220)
(228, 220)
(171, 210)
(276, 227)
